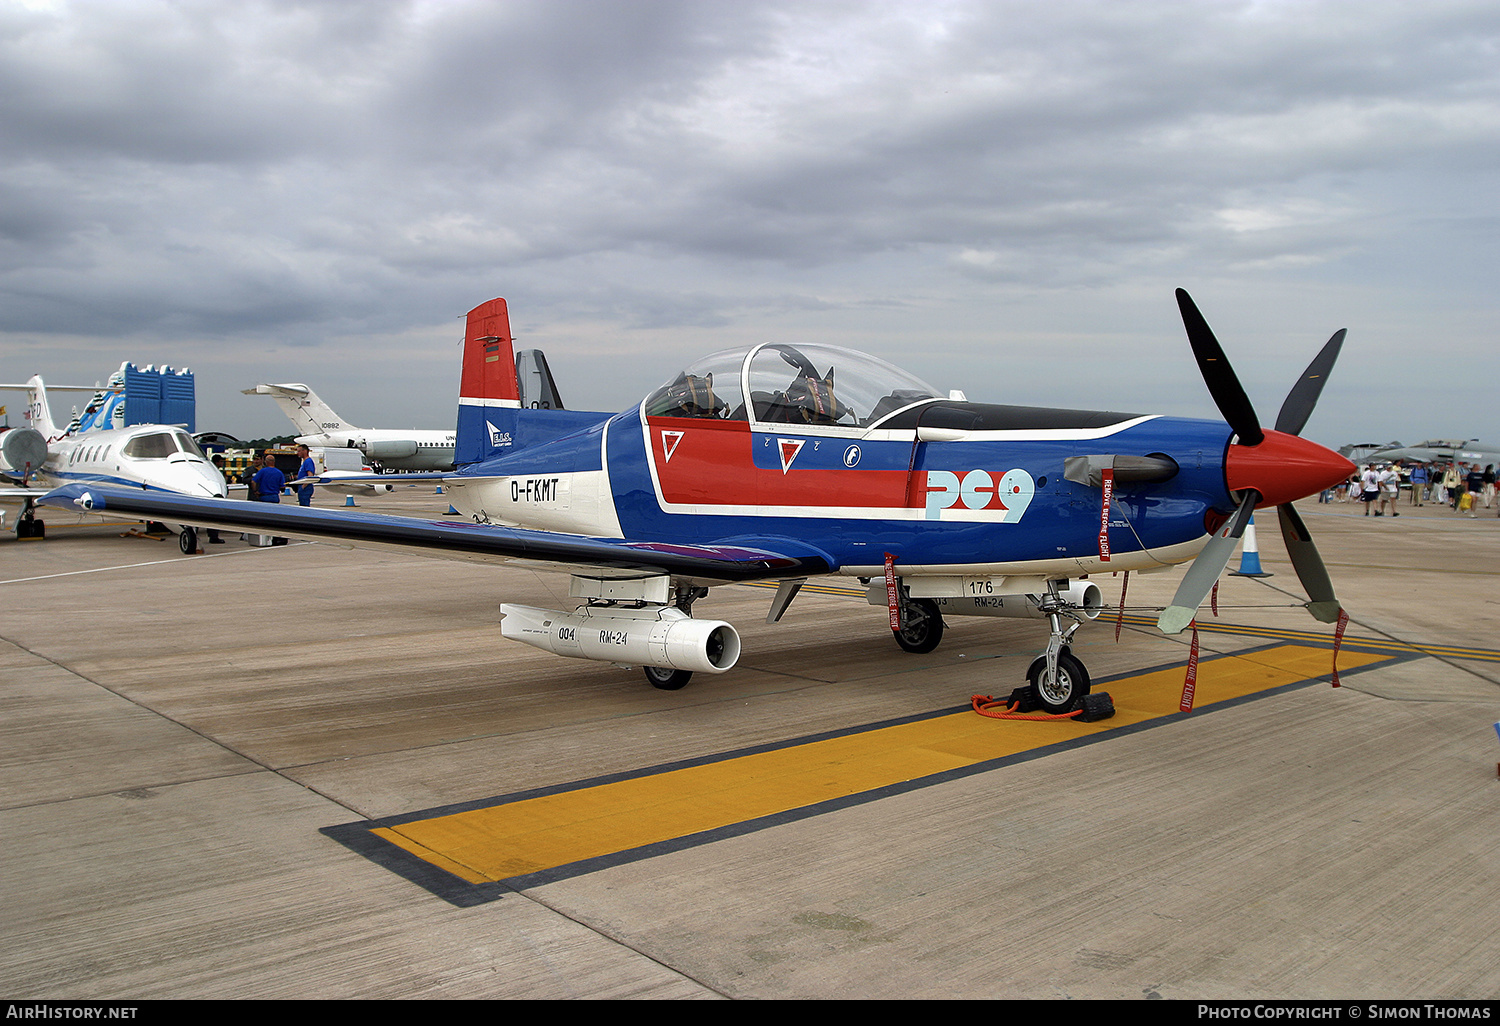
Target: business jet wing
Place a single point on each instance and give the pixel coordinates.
(738, 559)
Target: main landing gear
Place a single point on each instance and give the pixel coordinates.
(921, 625)
(665, 678)
(28, 525)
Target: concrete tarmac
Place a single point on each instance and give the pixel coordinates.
(193, 751)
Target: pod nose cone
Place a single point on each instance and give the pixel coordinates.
(1283, 467)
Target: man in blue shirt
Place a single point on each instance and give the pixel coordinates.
(269, 481)
(306, 469)
(1418, 484)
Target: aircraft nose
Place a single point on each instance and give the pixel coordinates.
(1284, 467)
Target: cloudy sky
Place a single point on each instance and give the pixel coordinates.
(999, 196)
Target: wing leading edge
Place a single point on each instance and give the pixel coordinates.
(730, 560)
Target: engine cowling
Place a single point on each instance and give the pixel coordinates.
(662, 636)
(21, 448)
(395, 449)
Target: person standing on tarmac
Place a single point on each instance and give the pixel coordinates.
(305, 469)
(269, 481)
(1369, 484)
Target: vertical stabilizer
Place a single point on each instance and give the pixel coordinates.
(538, 390)
(38, 414)
(309, 414)
(488, 394)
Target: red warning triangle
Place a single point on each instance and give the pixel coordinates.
(790, 447)
(669, 440)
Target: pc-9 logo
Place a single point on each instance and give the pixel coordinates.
(978, 490)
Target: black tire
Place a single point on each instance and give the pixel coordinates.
(664, 678)
(923, 628)
(38, 529)
(1072, 683)
(187, 541)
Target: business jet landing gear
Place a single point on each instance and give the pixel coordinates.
(187, 541)
(921, 625)
(27, 524)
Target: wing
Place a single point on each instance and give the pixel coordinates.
(741, 559)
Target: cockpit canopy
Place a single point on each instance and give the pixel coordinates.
(802, 385)
(159, 445)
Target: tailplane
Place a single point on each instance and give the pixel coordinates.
(311, 415)
(506, 402)
(38, 414)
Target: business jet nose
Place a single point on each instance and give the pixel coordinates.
(1283, 467)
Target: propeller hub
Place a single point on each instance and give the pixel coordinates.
(1283, 467)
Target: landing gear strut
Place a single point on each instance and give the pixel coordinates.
(28, 525)
(665, 678)
(1057, 679)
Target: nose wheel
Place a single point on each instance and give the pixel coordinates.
(1061, 690)
(188, 541)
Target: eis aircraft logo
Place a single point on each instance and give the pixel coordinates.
(977, 490)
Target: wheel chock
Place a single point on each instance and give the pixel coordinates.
(1097, 706)
(1023, 700)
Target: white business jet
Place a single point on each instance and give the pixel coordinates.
(393, 449)
(152, 457)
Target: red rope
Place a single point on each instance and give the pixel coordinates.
(984, 705)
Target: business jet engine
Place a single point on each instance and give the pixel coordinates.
(22, 450)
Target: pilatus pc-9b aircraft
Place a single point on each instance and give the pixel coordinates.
(779, 462)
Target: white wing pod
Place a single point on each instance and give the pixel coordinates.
(1084, 596)
(652, 636)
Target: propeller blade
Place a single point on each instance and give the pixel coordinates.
(1222, 384)
(1323, 604)
(1304, 394)
(1206, 568)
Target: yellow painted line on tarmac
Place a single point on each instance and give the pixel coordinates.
(534, 834)
(1364, 641)
(1220, 627)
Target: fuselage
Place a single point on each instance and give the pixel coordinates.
(989, 500)
(150, 456)
(392, 449)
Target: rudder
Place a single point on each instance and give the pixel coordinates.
(488, 393)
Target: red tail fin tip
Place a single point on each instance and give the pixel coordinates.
(489, 365)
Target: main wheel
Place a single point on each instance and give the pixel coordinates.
(664, 678)
(1071, 685)
(922, 628)
(187, 541)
